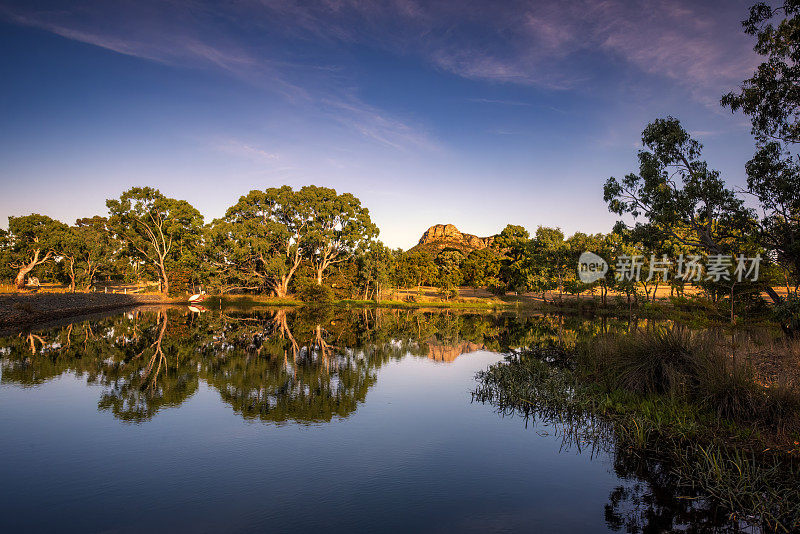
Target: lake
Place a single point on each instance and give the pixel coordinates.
(288, 420)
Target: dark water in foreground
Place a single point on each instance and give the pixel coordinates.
(288, 421)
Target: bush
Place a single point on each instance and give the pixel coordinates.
(314, 293)
(498, 289)
(448, 293)
(646, 362)
(787, 313)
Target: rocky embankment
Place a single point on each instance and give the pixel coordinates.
(20, 309)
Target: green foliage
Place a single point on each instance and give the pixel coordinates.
(257, 245)
(676, 193)
(374, 269)
(159, 230)
(6, 271)
(315, 294)
(338, 227)
(513, 242)
(449, 276)
(481, 268)
(787, 313)
(772, 96)
(97, 247)
(774, 178)
(414, 268)
(32, 240)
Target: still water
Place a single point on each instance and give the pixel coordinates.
(279, 420)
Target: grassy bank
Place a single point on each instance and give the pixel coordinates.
(697, 402)
(247, 301)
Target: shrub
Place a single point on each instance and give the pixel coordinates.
(314, 293)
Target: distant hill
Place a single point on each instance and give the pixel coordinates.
(441, 236)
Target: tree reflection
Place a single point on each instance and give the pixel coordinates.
(277, 365)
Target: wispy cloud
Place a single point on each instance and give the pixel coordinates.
(378, 126)
(239, 148)
(290, 46)
(501, 102)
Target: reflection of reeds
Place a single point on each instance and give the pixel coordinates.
(694, 400)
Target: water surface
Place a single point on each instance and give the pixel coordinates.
(276, 420)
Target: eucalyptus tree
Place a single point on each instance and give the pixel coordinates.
(33, 240)
(159, 230)
(481, 268)
(547, 262)
(449, 263)
(5, 252)
(513, 242)
(771, 98)
(70, 249)
(677, 194)
(414, 268)
(374, 269)
(97, 246)
(338, 227)
(261, 237)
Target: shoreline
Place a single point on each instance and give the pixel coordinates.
(31, 309)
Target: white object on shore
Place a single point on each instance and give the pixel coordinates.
(198, 297)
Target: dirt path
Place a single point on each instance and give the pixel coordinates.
(20, 309)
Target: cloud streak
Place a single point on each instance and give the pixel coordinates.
(300, 50)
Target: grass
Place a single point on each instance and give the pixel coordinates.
(256, 300)
(693, 400)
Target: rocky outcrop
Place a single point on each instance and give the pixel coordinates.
(449, 235)
(448, 353)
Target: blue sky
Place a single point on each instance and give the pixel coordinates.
(466, 112)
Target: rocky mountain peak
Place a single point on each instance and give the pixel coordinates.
(442, 235)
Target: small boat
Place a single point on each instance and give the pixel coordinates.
(197, 298)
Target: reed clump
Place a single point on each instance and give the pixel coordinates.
(708, 370)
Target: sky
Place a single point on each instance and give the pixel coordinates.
(475, 113)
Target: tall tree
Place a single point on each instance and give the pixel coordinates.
(414, 268)
(374, 269)
(5, 253)
(771, 98)
(548, 260)
(34, 239)
(155, 228)
(774, 179)
(261, 237)
(513, 243)
(98, 246)
(676, 193)
(481, 268)
(338, 227)
(70, 248)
